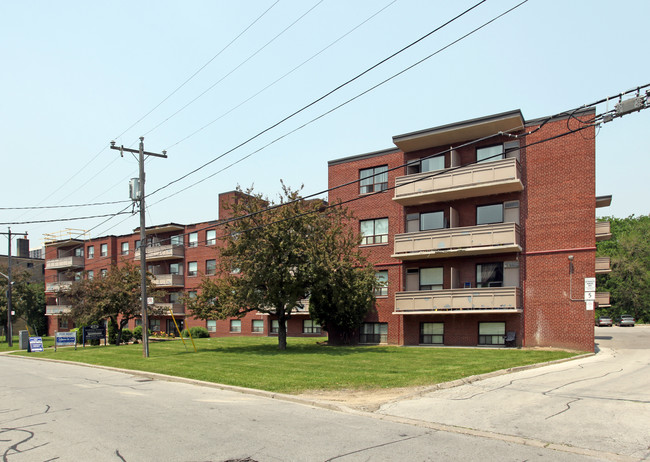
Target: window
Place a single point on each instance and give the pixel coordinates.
(275, 326)
(103, 272)
(79, 252)
(137, 244)
(489, 274)
(258, 326)
(192, 268)
(174, 297)
(382, 279)
(432, 164)
(431, 278)
(373, 179)
(175, 268)
(374, 332)
(103, 250)
(192, 294)
(91, 251)
(489, 153)
(431, 333)
(154, 325)
(138, 322)
(78, 275)
(432, 220)
(193, 240)
(212, 325)
(374, 231)
(309, 326)
(125, 248)
(235, 325)
(176, 240)
(211, 267)
(90, 274)
(210, 237)
(63, 323)
(486, 214)
(491, 333)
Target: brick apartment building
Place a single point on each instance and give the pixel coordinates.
(495, 235)
(475, 242)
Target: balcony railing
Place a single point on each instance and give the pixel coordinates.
(459, 301)
(168, 280)
(51, 310)
(602, 298)
(474, 180)
(64, 262)
(165, 308)
(603, 232)
(470, 240)
(603, 265)
(58, 286)
(162, 252)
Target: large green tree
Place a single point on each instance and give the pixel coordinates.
(115, 297)
(629, 281)
(27, 297)
(276, 255)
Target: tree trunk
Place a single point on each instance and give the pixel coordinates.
(282, 331)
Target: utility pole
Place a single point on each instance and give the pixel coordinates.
(10, 333)
(143, 239)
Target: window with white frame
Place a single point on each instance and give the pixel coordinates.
(212, 325)
(91, 251)
(193, 240)
(103, 272)
(257, 326)
(490, 153)
(431, 278)
(103, 250)
(192, 268)
(374, 231)
(79, 252)
(432, 333)
(125, 248)
(382, 279)
(491, 333)
(211, 237)
(235, 325)
(374, 332)
(309, 326)
(275, 326)
(373, 179)
(90, 274)
(175, 268)
(489, 274)
(211, 267)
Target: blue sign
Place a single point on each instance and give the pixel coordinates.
(66, 338)
(35, 344)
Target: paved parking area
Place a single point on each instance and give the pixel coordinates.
(600, 402)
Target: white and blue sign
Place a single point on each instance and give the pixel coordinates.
(66, 338)
(35, 344)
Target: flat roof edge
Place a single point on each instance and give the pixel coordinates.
(368, 155)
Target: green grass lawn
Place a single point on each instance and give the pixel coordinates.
(4, 346)
(306, 364)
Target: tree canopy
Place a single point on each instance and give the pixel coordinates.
(28, 300)
(276, 255)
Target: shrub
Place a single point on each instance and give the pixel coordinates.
(137, 333)
(199, 332)
(112, 333)
(127, 335)
(185, 333)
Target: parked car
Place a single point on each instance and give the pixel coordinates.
(625, 320)
(604, 321)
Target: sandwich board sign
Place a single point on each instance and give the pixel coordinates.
(35, 344)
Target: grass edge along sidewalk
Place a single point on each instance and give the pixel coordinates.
(307, 364)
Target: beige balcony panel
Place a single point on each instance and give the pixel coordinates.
(602, 298)
(458, 301)
(603, 232)
(501, 176)
(58, 286)
(168, 280)
(164, 308)
(162, 252)
(64, 262)
(603, 265)
(51, 310)
(469, 240)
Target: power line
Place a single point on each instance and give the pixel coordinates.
(61, 219)
(64, 206)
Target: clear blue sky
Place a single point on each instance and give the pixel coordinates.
(77, 74)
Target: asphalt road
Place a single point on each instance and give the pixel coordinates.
(601, 402)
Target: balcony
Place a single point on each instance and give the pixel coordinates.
(58, 286)
(501, 176)
(469, 240)
(162, 252)
(51, 310)
(603, 232)
(165, 308)
(460, 301)
(603, 265)
(602, 298)
(169, 280)
(64, 263)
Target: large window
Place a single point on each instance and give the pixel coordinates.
(193, 240)
(309, 326)
(374, 231)
(257, 326)
(176, 240)
(211, 237)
(211, 267)
(125, 248)
(432, 164)
(212, 325)
(91, 251)
(103, 250)
(489, 274)
(192, 268)
(373, 179)
(79, 252)
(275, 326)
(374, 332)
(432, 333)
(382, 279)
(175, 268)
(489, 153)
(235, 325)
(486, 214)
(431, 278)
(154, 325)
(432, 220)
(491, 333)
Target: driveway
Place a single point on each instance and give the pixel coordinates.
(601, 402)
